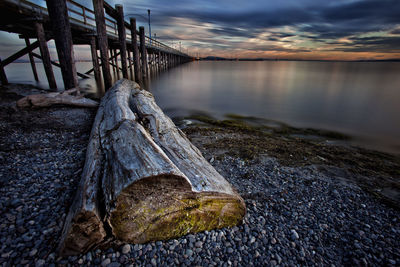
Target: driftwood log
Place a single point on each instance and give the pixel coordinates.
(60, 98)
(143, 179)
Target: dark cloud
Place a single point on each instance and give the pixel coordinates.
(228, 31)
(395, 31)
(385, 44)
(375, 11)
(324, 22)
(250, 20)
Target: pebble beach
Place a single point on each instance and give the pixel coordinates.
(297, 215)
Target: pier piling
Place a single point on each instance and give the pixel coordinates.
(3, 77)
(122, 39)
(32, 60)
(135, 51)
(95, 59)
(143, 52)
(102, 40)
(58, 14)
(44, 51)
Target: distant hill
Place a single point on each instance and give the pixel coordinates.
(213, 58)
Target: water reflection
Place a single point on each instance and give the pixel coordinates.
(359, 99)
(356, 98)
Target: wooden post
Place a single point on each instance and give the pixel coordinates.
(44, 51)
(3, 76)
(98, 6)
(116, 62)
(164, 60)
(122, 39)
(159, 60)
(135, 51)
(112, 59)
(143, 51)
(130, 61)
(95, 59)
(32, 60)
(58, 14)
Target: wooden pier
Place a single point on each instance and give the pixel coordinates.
(116, 44)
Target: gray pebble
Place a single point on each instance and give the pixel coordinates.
(40, 263)
(294, 235)
(105, 262)
(126, 249)
(198, 244)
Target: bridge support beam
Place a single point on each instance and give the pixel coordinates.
(122, 39)
(44, 51)
(3, 77)
(130, 63)
(98, 6)
(95, 59)
(136, 59)
(143, 51)
(58, 14)
(32, 60)
(116, 65)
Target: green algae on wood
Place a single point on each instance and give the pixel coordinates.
(174, 212)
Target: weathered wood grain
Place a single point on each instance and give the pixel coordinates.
(56, 98)
(143, 179)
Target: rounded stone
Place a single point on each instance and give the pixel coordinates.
(126, 249)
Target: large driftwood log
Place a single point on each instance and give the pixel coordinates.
(60, 98)
(143, 180)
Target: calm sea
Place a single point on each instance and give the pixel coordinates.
(361, 99)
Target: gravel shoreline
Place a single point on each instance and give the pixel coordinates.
(296, 215)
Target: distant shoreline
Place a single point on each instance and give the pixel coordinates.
(311, 60)
(257, 59)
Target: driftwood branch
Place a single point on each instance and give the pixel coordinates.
(143, 180)
(56, 98)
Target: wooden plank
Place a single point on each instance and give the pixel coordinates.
(32, 60)
(58, 14)
(143, 51)
(95, 60)
(44, 50)
(122, 39)
(136, 59)
(102, 41)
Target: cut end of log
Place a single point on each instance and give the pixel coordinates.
(143, 180)
(164, 207)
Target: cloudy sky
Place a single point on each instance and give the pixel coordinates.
(294, 29)
(340, 29)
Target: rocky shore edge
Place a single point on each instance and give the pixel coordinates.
(309, 202)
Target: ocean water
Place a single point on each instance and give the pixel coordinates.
(361, 99)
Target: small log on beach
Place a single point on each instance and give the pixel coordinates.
(143, 179)
(60, 98)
